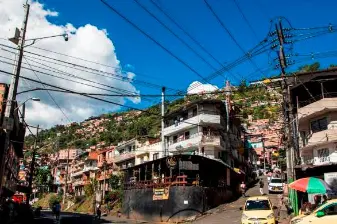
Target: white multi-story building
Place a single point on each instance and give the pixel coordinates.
(318, 132)
(203, 127)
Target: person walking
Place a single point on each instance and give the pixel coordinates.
(57, 210)
(261, 187)
(98, 212)
(243, 189)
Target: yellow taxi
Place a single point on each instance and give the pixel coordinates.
(258, 210)
(326, 213)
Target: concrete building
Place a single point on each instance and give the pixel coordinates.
(59, 165)
(83, 170)
(10, 178)
(314, 97)
(203, 127)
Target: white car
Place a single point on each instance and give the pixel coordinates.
(275, 185)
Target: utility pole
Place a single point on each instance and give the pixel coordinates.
(32, 166)
(162, 121)
(12, 94)
(288, 117)
(288, 110)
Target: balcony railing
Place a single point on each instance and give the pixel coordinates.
(317, 98)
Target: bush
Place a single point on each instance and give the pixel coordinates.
(53, 199)
(113, 195)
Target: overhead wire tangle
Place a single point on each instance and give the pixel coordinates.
(174, 34)
(153, 40)
(49, 68)
(185, 32)
(228, 32)
(111, 75)
(91, 97)
(53, 75)
(126, 95)
(50, 95)
(182, 40)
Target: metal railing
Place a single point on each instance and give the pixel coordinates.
(162, 182)
(317, 98)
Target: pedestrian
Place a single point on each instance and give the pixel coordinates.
(261, 187)
(98, 212)
(243, 189)
(57, 210)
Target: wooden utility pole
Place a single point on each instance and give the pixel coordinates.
(288, 110)
(10, 103)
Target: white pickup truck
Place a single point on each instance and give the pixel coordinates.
(275, 185)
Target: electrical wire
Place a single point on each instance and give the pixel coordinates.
(245, 18)
(153, 40)
(174, 34)
(229, 33)
(50, 95)
(91, 97)
(76, 66)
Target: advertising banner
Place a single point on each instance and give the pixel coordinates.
(161, 193)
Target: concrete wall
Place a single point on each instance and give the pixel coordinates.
(183, 202)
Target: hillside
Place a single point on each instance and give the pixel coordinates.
(109, 129)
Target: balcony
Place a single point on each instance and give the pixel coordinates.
(317, 108)
(211, 119)
(191, 143)
(124, 157)
(76, 174)
(77, 183)
(89, 168)
(213, 140)
(318, 138)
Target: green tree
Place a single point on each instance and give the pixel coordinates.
(310, 68)
(42, 176)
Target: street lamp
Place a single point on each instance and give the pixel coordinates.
(32, 98)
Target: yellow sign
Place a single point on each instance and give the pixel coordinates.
(161, 193)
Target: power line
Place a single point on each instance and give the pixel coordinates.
(174, 34)
(52, 75)
(228, 32)
(190, 36)
(155, 41)
(82, 59)
(245, 18)
(91, 97)
(141, 95)
(111, 75)
(50, 95)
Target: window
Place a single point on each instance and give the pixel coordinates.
(323, 155)
(330, 209)
(319, 125)
(276, 181)
(195, 112)
(155, 156)
(257, 205)
(175, 138)
(187, 135)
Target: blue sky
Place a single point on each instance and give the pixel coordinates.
(154, 65)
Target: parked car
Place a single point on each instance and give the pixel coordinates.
(275, 185)
(257, 209)
(326, 213)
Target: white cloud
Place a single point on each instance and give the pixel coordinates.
(87, 42)
(197, 87)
